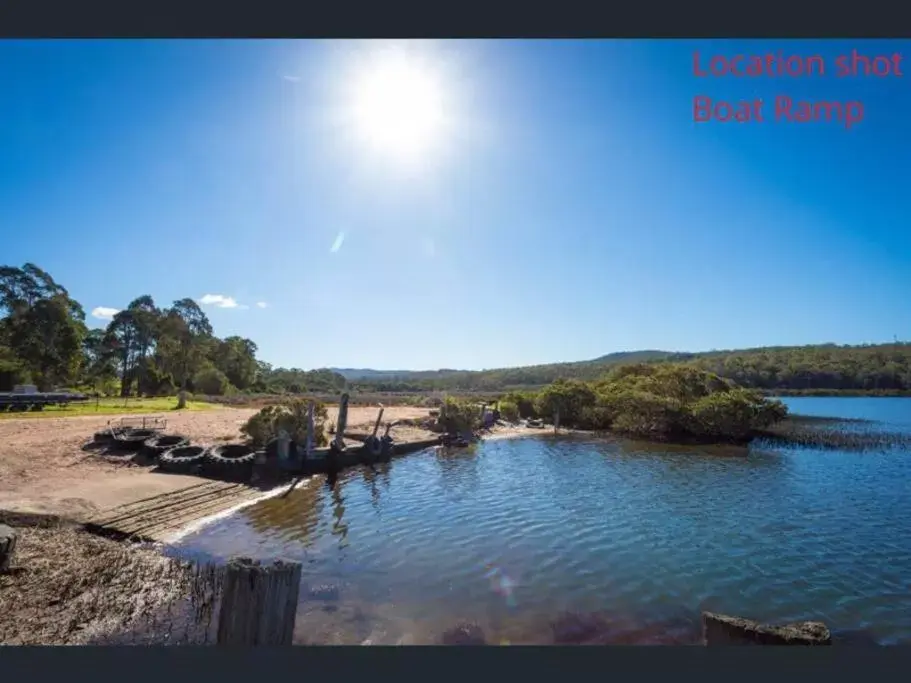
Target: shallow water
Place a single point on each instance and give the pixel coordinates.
(511, 534)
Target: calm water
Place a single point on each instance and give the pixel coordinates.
(513, 533)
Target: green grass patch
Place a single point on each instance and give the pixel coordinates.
(108, 406)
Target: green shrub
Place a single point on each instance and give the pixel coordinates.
(458, 416)
(509, 411)
(568, 397)
(290, 416)
(211, 381)
(524, 401)
(659, 402)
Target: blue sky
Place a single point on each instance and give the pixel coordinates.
(567, 208)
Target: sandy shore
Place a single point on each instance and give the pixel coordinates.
(44, 469)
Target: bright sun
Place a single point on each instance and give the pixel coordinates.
(398, 106)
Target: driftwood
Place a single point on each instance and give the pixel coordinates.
(259, 603)
(8, 537)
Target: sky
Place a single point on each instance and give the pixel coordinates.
(459, 204)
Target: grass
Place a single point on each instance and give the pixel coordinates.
(108, 406)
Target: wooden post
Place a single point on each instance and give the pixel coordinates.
(376, 426)
(342, 422)
(556, 421)
(259, 603)
(310, 427)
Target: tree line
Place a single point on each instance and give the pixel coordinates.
(145, 349)
(821, 368)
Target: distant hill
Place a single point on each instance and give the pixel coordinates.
(368, 374)
(820, 367)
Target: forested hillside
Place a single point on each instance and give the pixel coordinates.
(827, 367)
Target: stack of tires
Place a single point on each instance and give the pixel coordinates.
(132, 439)
(160, 444)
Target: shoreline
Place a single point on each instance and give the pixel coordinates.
(62, 558)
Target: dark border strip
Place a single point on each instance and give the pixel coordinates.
(287, 19)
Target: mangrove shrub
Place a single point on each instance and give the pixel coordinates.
(290, 417)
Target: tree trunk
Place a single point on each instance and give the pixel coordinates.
(259, 603)
(8, 538)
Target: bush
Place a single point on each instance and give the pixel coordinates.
(458, 416)
(640, 413)
(568, 397)
(660, 402)
(735, 414)
(524, 402)
(509, 411)
(211, 381)
(290, 416)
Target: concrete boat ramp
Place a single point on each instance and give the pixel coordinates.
(161, 517)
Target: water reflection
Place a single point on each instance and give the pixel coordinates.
(294, 518)
(511, 534)
(339, 527)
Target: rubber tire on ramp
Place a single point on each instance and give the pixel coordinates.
(230, 456)
(182, 459)
(164, 442)
(133, 439)
(105, 436)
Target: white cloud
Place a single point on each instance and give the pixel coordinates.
(261, 304)
(104, 313)
(218, 300)
(337, 244)
(291, 79)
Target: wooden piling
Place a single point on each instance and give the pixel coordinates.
(259, 603)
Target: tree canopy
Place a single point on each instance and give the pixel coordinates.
(145, 349)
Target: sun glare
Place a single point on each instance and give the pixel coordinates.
(398, 106)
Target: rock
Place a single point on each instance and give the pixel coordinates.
(8, 538)
(720, 629)
(464, 634)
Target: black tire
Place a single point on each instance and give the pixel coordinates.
(133, 439)
(231, 456)
(387, 448)
(371, 450)
(182, 459)
(164, 442)
(105, 436)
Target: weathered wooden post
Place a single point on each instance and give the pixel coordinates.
(8, 537)
(556, 421)
(181, 399)
(376, 427)
(308, 451)
(342, 422)
(283, 447)
(259, 603)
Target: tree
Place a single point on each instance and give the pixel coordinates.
(185, 338)
(42, 328)
(236, 358)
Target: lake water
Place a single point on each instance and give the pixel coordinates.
(512, 534)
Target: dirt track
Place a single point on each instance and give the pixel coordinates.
(43, 468)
